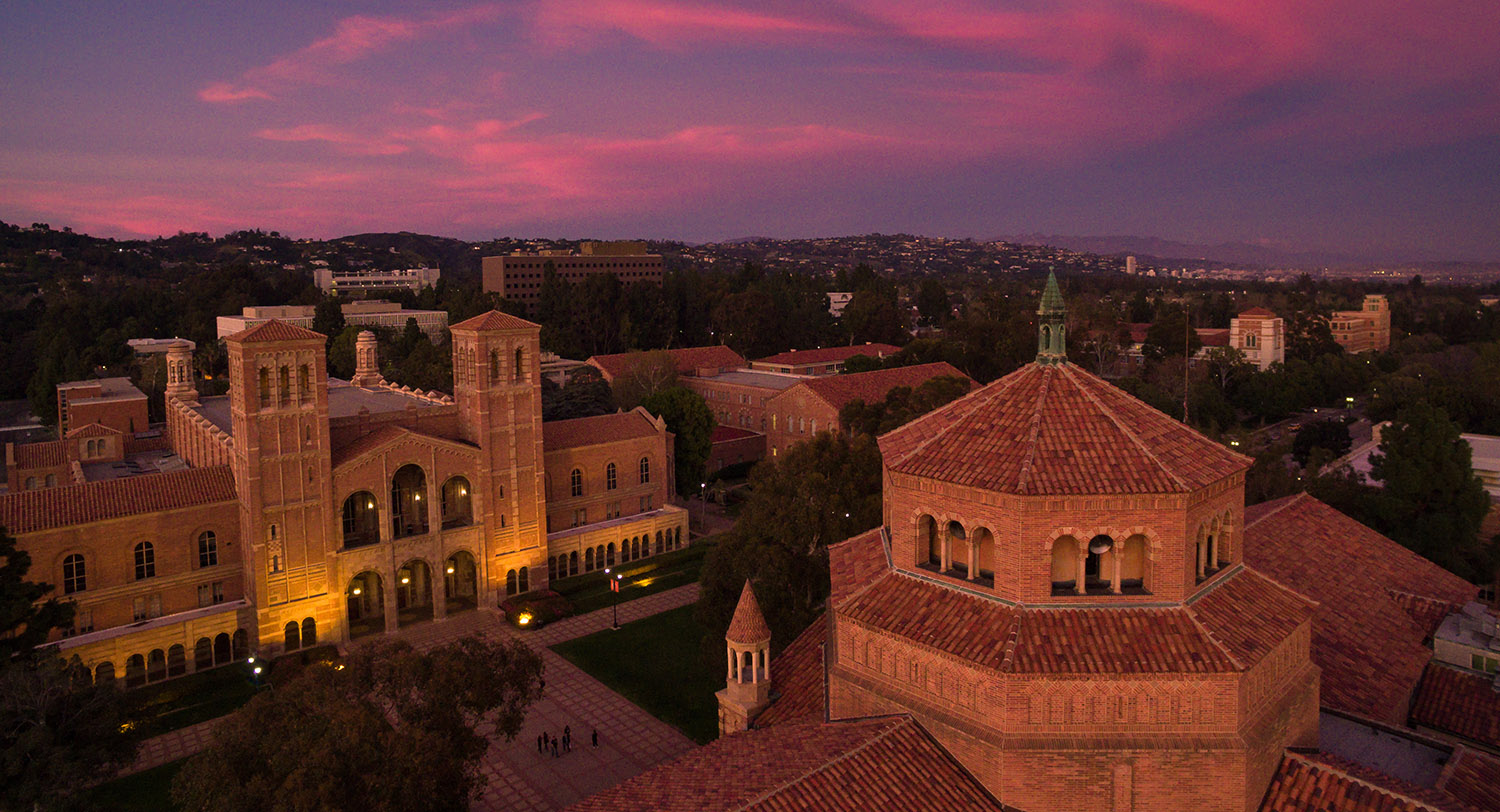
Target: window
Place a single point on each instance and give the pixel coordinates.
(146, 607)
(210, 594)
(309, 632)
(609, 477)
(208, 549)
(580, 517)
(145, 561)
(75, 577)
(292, 638)
(1488, 665)
(457, 506)
(283, 386)
(494, 365)
(645, 470)
(516, 374)
(575, 482)
(361, 520)
(31, 483)
(304, 384)
(265, 386)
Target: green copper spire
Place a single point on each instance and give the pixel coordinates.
(1051, 345)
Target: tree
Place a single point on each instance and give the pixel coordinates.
(1169, 336)
(689, 418)
(822, 491)
(389, 728)
(25, 620)
(901, 405)
(1308, 335)
(1331, 436)
(646, 373)
(1433, 502)
(932, 302)
(328, 317)
(871, 316)
(585, 394)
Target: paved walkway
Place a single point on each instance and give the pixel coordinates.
(517, 777)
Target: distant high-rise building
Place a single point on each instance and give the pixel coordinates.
(1260, 335)
(365, 280)
(518, 277)
(1130, 265)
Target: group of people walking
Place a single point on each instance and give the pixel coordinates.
(558, 746)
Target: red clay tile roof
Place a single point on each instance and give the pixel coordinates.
(31, 511)
(1325, 783)
(604, 428)
(688, 360)
(1370, 650)
(855, 562)
(798, 679)
(748, 625)
(724, 434)
(1213, 336)
(1200, 638)
(1428, 613)
(871, 387)
(93, 430)
(494, 320)
(825, 355)
(50, 454)
(385, 434)
(886, 763)
(275, 330)
(1258, 311)
(1459, 702)
(1473, 777)
(1047, 429)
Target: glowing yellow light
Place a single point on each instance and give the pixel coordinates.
(357, 590)
(405, 580)
(463, 491)
(523, 618)
(417, 496)
(370, 504)
(339, 667)
(450, 569)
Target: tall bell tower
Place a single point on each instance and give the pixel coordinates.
(497, 386)
(278, 401)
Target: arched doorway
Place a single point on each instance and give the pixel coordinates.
(222, 650)
(203, 654)
(984, 556)
(413, 593)
(958, 549)
(929, 545)
(408, 502)
(457, 504)
(460, 582)
(1065, 579)
(366, 605)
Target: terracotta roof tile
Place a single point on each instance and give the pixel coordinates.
(1462, 703)
(275, 330)
(1370, 650)
(1474, 778)
(494, 320)
(724, 434)
(49, 454)
(853, 766)
(1047, 429)
(1209, 636)
(855, 562)
(748, 625)
(1324, 783)
(688, 360)
(1260, 312)
(797, 679)
(870, 387)
(31, 511)
(825, 355)
(1428, 613)
(604, 428)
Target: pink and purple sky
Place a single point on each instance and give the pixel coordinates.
(1367, 126)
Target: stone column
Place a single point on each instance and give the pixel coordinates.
(1116, 565)
(973, 557)
(388, 588)
(1083, 558)
(1202, 551)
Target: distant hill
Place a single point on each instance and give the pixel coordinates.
(1170, 252)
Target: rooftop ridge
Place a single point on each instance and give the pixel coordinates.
(1213, 638)
(973, 400)
(814, 770)
(1024, 476)
(1321, 764)
(1286, 502)
(1120, 424)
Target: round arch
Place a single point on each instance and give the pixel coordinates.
(361, 519)
(413, 592)
(365, 599)
(460, 582)
(408, 501)
(458, 502)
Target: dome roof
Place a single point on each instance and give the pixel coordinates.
(1050, 429)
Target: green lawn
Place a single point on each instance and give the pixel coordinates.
(189, 700)
(654, 663)
(146, 791)
(644, 577)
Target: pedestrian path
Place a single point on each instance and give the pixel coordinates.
(517, 777)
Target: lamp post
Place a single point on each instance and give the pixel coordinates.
(614, 586)
(703, 507)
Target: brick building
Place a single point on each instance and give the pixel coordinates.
(300, 508)
(518, 277)
(812, 404)
(822, 361)
(732, 446)
(1365, 329)
(690, 362)
(1260, 335)
(113, 402)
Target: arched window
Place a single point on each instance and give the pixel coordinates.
(609, 477)
(983, 553)
(283, 386)
(575, 482)
(145, 561)
(361, 519)
(156, 666)
(222, 653)
(1250, 340)
(292, 636)
(588, 560)
(135, 671)
(525, 579)
(645, 470)
(309, 632)
(1065, 575)
(408, 508)
(104, 674)
(203, 654)
(635, 548)
(929, 543)
(265, 386)
(176, 660)
(494, 365)
(573, 563)
(75, 578)
(208, 549)
(52, 480)
(31, 483)
(241, 644)
(510, 582)
(552, 568)
(458, 507)
(304, 384)
(517, 373)
(599, 557)
(609, 556)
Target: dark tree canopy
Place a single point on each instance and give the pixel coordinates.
(586, 394)
(901, 404)
(390, 728)
(689, 418)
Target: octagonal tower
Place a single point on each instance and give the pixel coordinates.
(1066, 604)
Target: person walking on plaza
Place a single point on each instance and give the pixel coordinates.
(554, 748)
(596, 737)
(539, 738)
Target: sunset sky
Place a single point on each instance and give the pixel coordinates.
(1368, 126)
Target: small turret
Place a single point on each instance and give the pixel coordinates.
(748, 644)
(180, 373)
(367, 360)
(1051, 347)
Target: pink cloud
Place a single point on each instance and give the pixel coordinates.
(668, 24)
(321, 132)
(222, 92)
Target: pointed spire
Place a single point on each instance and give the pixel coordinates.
(749, 625)
(1051, 345)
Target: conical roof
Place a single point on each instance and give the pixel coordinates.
(493, 320)
(1052, 298)
(749, 625)
(1054, 429)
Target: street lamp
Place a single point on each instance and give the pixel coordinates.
(703, 507)
(614, 586)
